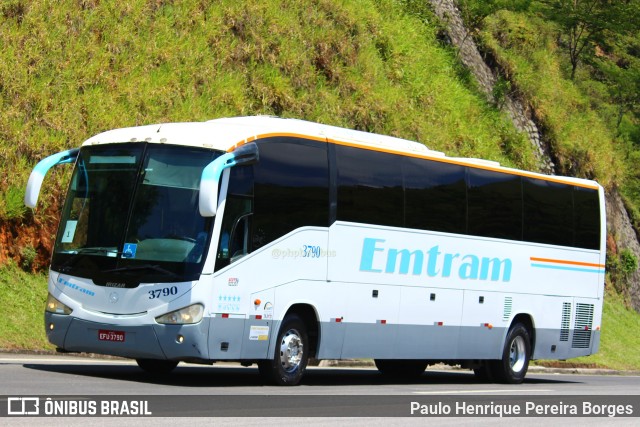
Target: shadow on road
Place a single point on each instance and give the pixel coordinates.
(226, 376)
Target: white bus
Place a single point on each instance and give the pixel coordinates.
(273, 241)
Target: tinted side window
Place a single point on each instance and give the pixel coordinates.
(238, 207)
(548, 212)
(586, 218)
(291, 188)
(435, 196)
(495, 204)
(369, 187)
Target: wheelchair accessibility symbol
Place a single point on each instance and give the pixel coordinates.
(129, 250)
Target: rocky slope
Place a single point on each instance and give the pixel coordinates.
(619, 226)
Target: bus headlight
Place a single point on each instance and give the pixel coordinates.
(56, 307)
(184, 316)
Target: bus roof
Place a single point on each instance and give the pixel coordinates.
(230, 133)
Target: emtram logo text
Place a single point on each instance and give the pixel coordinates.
(376, 258)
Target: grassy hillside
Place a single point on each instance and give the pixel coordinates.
(590, 117)
(73, 68)
(582, 143)
(23, 296)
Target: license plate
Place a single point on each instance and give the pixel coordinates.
(117, 336)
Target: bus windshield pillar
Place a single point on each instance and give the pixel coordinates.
(208, 203)
(40, 170)
(244, 155)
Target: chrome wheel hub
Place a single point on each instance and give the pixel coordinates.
(291, 350)
(517, 356)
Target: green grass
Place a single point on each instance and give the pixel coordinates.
(79, 68)
(23, 298)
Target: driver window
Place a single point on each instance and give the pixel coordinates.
(239, 239)
(236, 224)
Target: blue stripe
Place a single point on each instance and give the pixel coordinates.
(559, 267)
(213, 170)
(68, 156)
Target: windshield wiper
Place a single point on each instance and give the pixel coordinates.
(153, 267)
(85, 251)
(96, 250)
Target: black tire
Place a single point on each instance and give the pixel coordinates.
(156, 366)
(512, 368)
(402, 369)
(291, 354)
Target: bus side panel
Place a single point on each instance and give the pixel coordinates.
(429, 323)
(262, 284)
(226, 337)
(483, 325)
(546, 312)
(260, 327)
(256, 339)
(564, 327)
(331, 339)
(327, 300)
(371, 322)
(331, 305)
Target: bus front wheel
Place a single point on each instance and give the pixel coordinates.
(512, 368)
(291, 354)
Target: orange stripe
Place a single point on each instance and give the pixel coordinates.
(272, 135)
(562, 261)
(415, 155)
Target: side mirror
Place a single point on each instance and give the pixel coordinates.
(40, 170)
(245, 155)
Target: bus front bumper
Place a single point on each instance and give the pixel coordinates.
(173, 342)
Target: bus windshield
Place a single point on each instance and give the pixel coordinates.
(131, 215)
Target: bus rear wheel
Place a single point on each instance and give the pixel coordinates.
(405, 369)
(291, 354)
(156, 366)
(512, 368)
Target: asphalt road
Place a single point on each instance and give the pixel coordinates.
(245, 394)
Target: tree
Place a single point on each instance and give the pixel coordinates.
(582, 22)
(623, 83)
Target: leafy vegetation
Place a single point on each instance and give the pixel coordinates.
(584, 24)
(580, 139)
(578, 65)
(620, 266)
